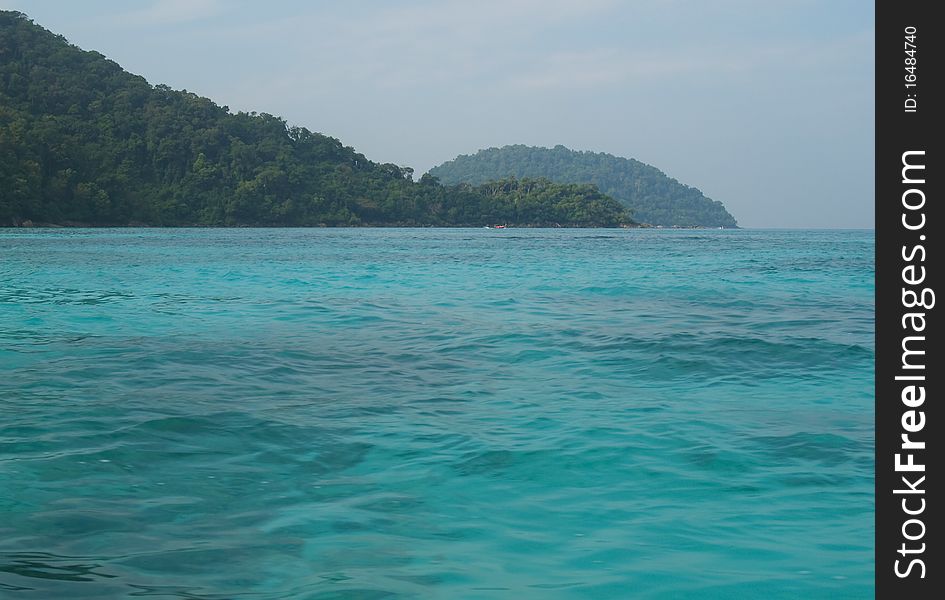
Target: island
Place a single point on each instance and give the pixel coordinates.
(652, 196)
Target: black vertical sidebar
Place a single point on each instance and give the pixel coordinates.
(910, 439)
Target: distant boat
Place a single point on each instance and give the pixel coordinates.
(500, 227)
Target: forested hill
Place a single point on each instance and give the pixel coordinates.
(652, 196)
(82, 142)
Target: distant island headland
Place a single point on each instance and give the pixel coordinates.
(652, 196)
(85, 143)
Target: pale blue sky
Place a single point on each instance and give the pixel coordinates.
(764, 105)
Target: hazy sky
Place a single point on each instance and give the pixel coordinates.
(766, 105)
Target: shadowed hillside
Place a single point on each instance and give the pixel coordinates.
(83, 142)
(652, 196)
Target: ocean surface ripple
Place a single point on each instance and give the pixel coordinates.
(436, 413)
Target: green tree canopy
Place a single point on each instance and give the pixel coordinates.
(653, 197)
(84, 142)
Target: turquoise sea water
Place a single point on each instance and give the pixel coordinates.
(436, 413)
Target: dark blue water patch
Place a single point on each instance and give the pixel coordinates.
(827, 448)
(686, 355)
(40, 565)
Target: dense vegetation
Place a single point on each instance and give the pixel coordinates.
(651, 195)
(84, 142)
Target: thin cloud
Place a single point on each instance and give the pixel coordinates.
(614, 66)
(167, 12)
